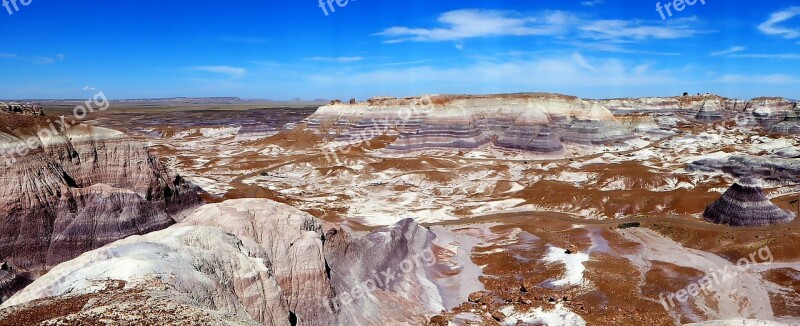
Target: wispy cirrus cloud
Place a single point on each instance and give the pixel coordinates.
(783, 56)
(772, 25)
(625, 30)
(732, 50)
(477, 23)
(336, 59)
(225, 70)
(592, 3)
(39, 59)
(575, 70)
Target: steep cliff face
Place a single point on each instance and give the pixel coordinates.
(266, 262)
(75, 191)
(534, 122)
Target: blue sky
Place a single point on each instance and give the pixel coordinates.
(291, 49)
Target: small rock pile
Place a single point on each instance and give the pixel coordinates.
(30, 109)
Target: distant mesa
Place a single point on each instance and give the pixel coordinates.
(745, 204)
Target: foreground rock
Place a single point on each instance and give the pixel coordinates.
(262, 262)
(744, 204)
(77, 191)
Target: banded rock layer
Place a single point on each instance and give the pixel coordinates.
(744, 204)
(534, 122)
(790, 125)
(78, 190)
(255, 261)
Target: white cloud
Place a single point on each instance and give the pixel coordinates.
(729, 51)
(474, 23)
(773, 79)
(556, 73)
(618, 30)
(88, 88)
(337, 59)
(39, 59)
(592, 3)
(770, 27)
(608, 47)
(225, 70)
(788, 56)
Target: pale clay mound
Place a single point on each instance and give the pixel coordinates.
(263, 261)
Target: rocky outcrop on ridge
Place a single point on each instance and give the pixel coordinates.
(29, 109)
(744, 204)
(259, 262)
(76, 191)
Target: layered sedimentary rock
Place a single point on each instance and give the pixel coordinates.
(786, 170)
(67, 192)
(534, 139)
(261, 262)
(758, 112)
(711, 111)
(790, 125)
(744, 204)
(533, 122)
(597, 127)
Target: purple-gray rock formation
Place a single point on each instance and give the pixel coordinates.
(79, 190)
(744, 204)
(711, 111)
(542, 140)
(790, 125)
(531, 122)
(255, 261)
(595, 132)
(456, 136)
(778, 169)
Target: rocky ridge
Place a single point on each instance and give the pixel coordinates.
(535, 122)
